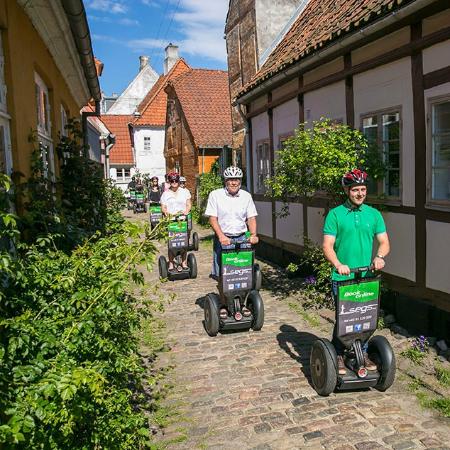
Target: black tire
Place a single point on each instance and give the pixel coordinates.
(195, 241)
(381, 353)
(212, 324)
(192, 264)
(162, 264)
(323, 366)
(256, 306)
(257, 277)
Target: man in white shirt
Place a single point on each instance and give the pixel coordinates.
(175, 201)
(231, 210)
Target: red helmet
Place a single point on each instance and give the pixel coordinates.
(173, 176)
(354, 177)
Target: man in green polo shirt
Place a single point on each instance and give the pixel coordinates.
(349, 233)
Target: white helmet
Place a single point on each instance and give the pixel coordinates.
(182, 179)
(232, 172)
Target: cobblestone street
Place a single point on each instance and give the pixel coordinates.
(252, 390)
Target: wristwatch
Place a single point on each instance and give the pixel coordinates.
(380, 256)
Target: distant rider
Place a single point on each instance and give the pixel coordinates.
(183, 182)
(154, 192)
(349, 233)
(176, 201)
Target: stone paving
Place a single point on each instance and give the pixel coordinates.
(252, 390)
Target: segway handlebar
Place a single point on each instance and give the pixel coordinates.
(362, 269)
(238, 244)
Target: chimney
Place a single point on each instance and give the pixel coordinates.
(171, 57)
(143, 62)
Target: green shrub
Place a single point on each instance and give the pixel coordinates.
(69, 369)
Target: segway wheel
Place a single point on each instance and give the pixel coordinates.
(257, 278)
(380, 352)
(145, 208)
(192, 264)
(195, 241)
(162, 264)
(256, 306)
(323, 366)
(211, 315)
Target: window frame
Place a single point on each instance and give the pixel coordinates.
(430, 202)
(381, 196)
(260, 187)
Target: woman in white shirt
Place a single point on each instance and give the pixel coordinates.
(175, 201)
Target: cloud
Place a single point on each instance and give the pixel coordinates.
(139, 45)
(122, 21)
(151, 3)
(105, 38)
(112, 6)
(202, 23)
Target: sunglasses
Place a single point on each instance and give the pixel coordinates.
(174, 181)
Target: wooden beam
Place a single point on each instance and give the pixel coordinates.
(349, 97)
(420, 153)
(436, 78)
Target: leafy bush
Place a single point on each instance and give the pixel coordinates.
(314, 160)
(69, 368)
(208, 182)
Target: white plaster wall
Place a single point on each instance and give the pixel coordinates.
(436, 57)
(438, 251)
(290, 228)
(326, 102)
(260, 131)
(402, 258)
(316, 219)
(386, 87)
(135, 92)
(285, 89)
(264, 219)
(285, 120)
(154, 163)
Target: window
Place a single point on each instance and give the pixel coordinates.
(2, 78)
(146, 151)
(440, 151)
(382, 131)
(262, 166)
(42, 106)
(64, 131)
(123, 174)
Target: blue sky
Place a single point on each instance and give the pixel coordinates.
(121, 30)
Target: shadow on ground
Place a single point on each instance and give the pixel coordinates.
(278, 284)
(297, 344)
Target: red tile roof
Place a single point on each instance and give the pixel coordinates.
(321, 23)
(205, 100)
(153, 107)
(121, 152)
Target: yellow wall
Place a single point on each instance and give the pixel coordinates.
(25, 54)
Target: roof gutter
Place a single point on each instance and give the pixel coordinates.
(302, 66)
(76, 15)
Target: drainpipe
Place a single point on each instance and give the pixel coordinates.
(112, 141)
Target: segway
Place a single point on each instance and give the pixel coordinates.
(194, 241)
(155, 214)
(358, 304)
(131, 199)
(239, 284)
(139, 204)
(178, 242)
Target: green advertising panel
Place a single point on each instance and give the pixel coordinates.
(155, 209)
(237, 270)
(178, 227)
(360, 292)
(358, 304)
